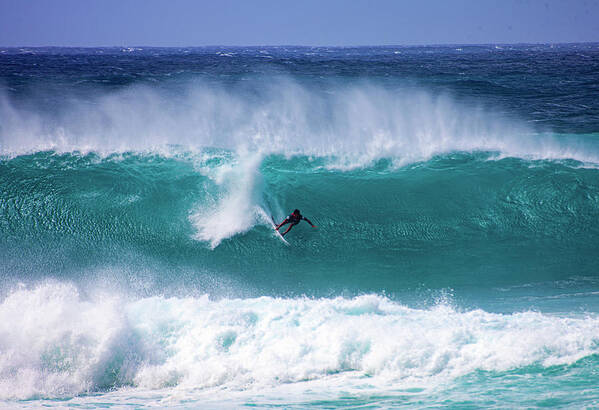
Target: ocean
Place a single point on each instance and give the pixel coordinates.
(455, 263)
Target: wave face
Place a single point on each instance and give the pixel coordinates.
(443, 223)
(455, 191)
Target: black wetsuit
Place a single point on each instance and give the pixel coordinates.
(294, 219)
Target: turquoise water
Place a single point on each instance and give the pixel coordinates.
(455, 191)
(485, 228)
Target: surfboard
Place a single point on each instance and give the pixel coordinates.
(277, 233)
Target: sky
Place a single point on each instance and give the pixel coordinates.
(181, 23)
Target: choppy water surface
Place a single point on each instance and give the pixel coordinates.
(455, 262)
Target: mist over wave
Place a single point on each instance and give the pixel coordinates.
(355, 123)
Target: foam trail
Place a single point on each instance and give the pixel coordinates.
(234, 208)
(56, 343)
(356, 124)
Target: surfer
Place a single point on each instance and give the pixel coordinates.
(293, 219)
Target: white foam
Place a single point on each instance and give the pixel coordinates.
(55, 343)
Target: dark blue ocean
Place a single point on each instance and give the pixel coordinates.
(455, 261)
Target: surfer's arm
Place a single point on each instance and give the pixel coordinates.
(310, 222)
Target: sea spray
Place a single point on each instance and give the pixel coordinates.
(357, 124)
(234, 209)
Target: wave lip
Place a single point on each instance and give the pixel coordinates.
(64, 345)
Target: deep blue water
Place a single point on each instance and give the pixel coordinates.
(455, 190)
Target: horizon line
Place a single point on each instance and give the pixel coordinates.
(311, 46)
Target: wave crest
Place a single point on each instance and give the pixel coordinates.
(358, 123)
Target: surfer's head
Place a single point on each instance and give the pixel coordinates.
(296, 212)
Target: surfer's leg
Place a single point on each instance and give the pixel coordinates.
(291, 225)
(288, 229)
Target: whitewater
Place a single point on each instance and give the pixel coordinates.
(455, 190)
